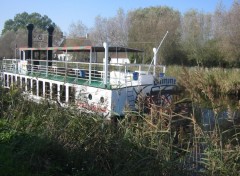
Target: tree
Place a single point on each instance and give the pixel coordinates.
(197, 36)
(7, 46)
(227, 32)
(14, 34)
(112, 30)
(117, 28)
(148, 26)
(22, 19)
(77, 29)
(99, 32)
(234, 36)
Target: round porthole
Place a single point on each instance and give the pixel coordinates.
(90, 96)
(102, 100)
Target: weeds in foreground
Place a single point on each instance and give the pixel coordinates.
(216, 139)
(43, 139)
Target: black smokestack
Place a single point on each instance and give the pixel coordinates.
(50, 30)
(30, 43)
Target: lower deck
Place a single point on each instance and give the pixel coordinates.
(42, 86)
(78, 92)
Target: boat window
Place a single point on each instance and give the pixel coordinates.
(90, 96)
(62, 93)
(6, 80)
(40, 88)
(102, 100)
(47, 90)
(18, 81)
(28, 84)
(54, 91)
(23, 83)
(71, 94)
(34, 87)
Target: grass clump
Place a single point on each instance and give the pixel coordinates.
(44, 139)
(218, 81)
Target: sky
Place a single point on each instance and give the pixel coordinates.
(66, 12)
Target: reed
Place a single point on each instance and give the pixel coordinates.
(44, 139)
(219, 81)
(211, 88)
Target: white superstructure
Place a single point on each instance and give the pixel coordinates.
(105, 88)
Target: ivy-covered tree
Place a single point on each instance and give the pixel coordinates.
(14, 34)
(22, 19)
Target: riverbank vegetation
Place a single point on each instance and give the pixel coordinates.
(196, 134)
(218, 82)
(45, 139)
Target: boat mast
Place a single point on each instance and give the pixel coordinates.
(155, 51)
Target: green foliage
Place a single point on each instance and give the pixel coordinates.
(211, 55)
(21, 20)
(147, 28)
(44, 139)
(216, 81)
(195, 38)
(14, 34)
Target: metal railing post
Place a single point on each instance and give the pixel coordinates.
(105, 78)
(90, 67)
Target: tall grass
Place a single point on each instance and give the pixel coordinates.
(219, 81)
(44, 139)
(216, 89)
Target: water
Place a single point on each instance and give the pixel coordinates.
(224, 118)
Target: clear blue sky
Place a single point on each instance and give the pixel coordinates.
(65, 12)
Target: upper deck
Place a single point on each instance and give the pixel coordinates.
(90, 72)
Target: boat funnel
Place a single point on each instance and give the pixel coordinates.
(50, 30)
(30, 40)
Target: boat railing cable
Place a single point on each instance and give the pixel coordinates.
(157, 51)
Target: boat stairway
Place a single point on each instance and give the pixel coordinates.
(129, 92)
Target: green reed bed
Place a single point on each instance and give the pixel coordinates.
(217, 80)
(218, 90)
(45, 139)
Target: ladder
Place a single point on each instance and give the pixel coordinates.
(1, 72)
(129, 92)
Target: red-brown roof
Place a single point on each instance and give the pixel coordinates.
(81, 41)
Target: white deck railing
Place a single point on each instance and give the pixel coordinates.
(118, 75)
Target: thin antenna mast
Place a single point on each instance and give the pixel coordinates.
(155, 53)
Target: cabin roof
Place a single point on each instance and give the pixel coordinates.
(74, 48)
(79, 41)
(116, 49)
